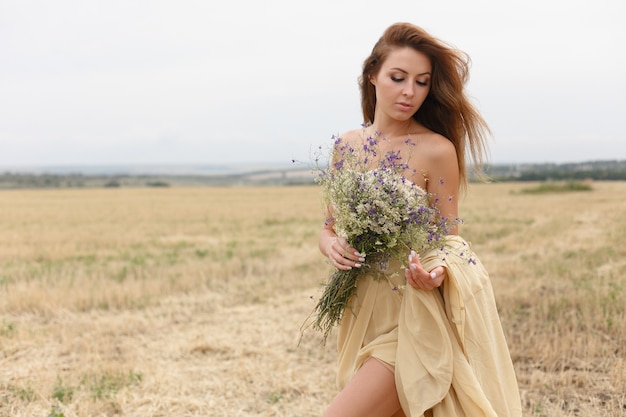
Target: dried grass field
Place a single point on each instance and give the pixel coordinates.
(189, 301)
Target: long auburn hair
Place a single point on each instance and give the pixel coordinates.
(447, 109)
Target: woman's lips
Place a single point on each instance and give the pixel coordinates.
(404, 106)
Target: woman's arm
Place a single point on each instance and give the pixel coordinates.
(442, 183)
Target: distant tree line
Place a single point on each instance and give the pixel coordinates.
(594, 170)
(10, 180)
(26, 180)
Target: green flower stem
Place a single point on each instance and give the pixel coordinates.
(334, 300)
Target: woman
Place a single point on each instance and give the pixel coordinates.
(412, 352)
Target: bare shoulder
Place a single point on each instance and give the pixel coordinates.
(352, 136)
(436, 158)
(438, 148)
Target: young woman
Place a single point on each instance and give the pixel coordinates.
(436, 348)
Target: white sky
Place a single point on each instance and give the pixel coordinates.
(155, 81)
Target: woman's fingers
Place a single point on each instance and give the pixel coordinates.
(412, 281)
(343, 256)
(420, 278)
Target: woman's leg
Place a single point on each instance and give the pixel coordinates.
(371, 392)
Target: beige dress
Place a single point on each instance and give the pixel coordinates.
(447, 347)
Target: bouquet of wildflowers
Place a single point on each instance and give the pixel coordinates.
(378, 211)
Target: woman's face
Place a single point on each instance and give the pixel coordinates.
(402, 83)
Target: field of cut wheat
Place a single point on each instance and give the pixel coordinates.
(189, 301)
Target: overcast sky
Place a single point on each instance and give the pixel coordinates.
(204, 82)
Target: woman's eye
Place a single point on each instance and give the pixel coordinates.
(422, 83)
(396, 79)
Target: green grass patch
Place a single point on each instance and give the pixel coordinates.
(551, 187)
(24, 394)
(99, 386)
(62, 392)
(106, 385)
(7, 328)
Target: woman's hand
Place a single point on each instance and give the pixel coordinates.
(342, 255)
(420, 278)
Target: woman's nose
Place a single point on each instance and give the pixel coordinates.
(408, 90)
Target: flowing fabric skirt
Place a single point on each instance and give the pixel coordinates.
(446, 347)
